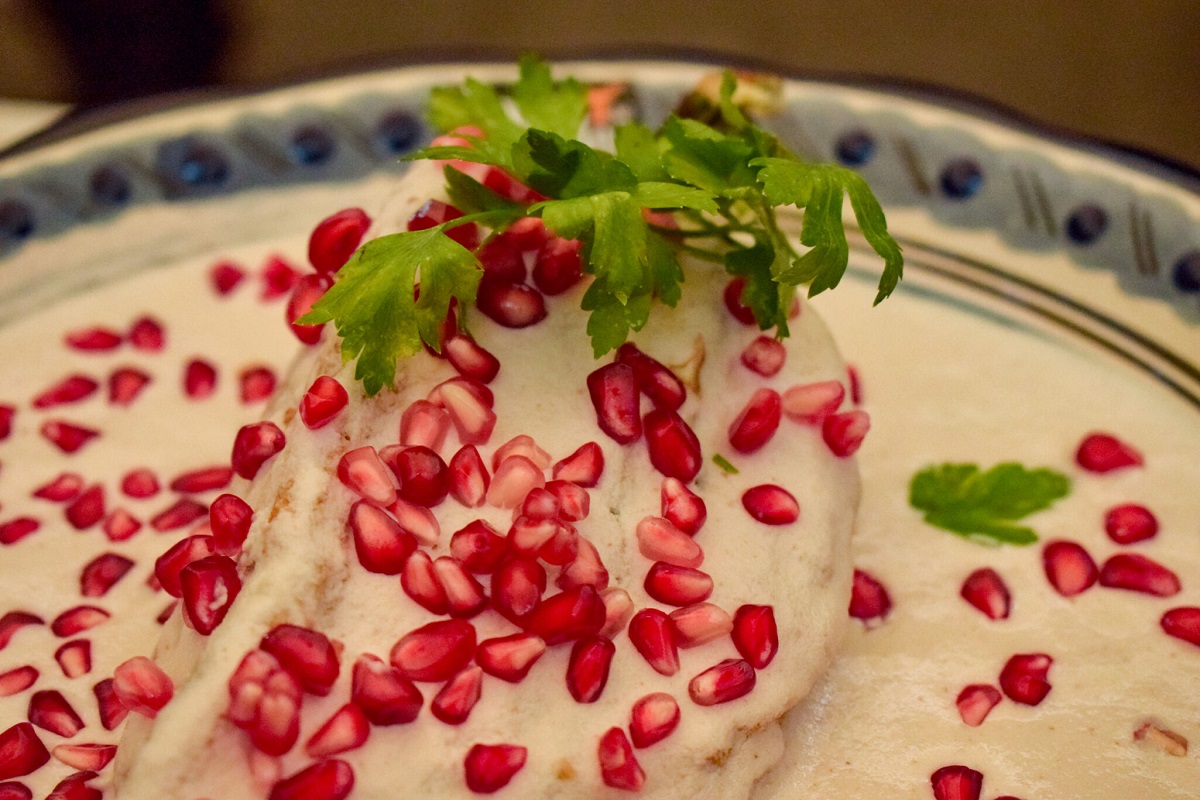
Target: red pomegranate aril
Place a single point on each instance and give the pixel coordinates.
(63, 488)
(50, 711)
(74, 658)
(225, 276)
(417, 520)
(435, 212)
(490, 767)
(673, 447)
(588, 668)
(1023, 678)
(254, 445)
(335, 238)
(171, 563)
(346, 730)
(583, 467)
(540, 504)
(423, 475)
(563, 547)
(119, 525)
(140, 483)
(757, 422)
(755, 634)
(470, 410)
(517, 587)
(619, 767)
(74, 787)
(199, 379)
(502, 260)
(659, 540)
(77, 620)
(147, 334)
(527, 234)
(700, 623)
(210, 585)
(574, 502)
(421, 583)
(424, 424)
(1183, 623)
(513, 305)
(733, 302)
(771, 504)
(1068, 567)
(14, 530)
(307, 655)
(84, 757)
(653, 718)
(112, 713)
(956, 782)
(586, 568)
(455, 700)
(323, 401)
(764, 356)
(465, 596)
(509, 658)
(102, 573)
(515, 478)
(229, 517)
(125, 384)
(202, 480)
(363, 472)
(1103, 452)
(329, 779)
(723, 682)
(436, 651)
(21, 751)
(1129, 523)
(571, 614)
(987, 591)
(470, 359)
(677, 586)
(557, 267)
(478, 547)
(682, 507)
(257, 384)
(615, 396)
(94, 339)
(278, 278)
(385, 696)
(975, 702)
(13, 621)
(664, 388)
(7, 413)
(869, 599)
(70, 389)
(653, 635)
(1137, 573)
(812, 403)
(17, 680)
(844, 432)
(468, 478)
(66, 436)
(264, 701)
(142, 686)
(521, 445)
(179, 514)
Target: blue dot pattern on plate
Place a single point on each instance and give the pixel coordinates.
(1087, 223)
(312, 145)
(398, 132)
(109, 186)
(192, 163)
(961, 178)
(1186, 274)
(16, 221)
(855, 148)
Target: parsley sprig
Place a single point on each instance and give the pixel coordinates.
(721, 182)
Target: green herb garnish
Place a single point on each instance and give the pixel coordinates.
(986, 506)
(724, 463)
(721, 183)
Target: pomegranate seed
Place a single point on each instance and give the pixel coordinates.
(464, 595)
(615, 397)
(17, 529)
(335, 239)
(140, 484)
(422, 474)
(119, 525)
(70, 389)
(723, 682)
(101, 574)
(85, 757)
(517, 587)
(1129, 523)
(257, 384)
(513, 305)
(1183, 623)
(562, 547)
(654, 379)
(470, 359)
(540, 504)
(13, 621)
(330, 779)
(454, 701)
(986, 590)
(659, 540)
(700, 623)
(264, 701)
(423, 424)
(67, 436)
(1138, 574)
(199, 379)
(421, 583)
(509, 658)
(478, 547)
(278, 278)
(436, 651)
(434, 213)
(254, 445)
(619, 768)
(21, 751)
(74, 658)
(182, 512)
(77, 620)
(855, 382)
(956, 783)
(755, 634)
(202, 480)
(764, 356)
(869, 600)
(346, 730)
(307, 655)
(521, 445)
(93, 339)
(469, 410)
(50, 711)
(125, 384)
(1102, 452)
(527, 234)
(757, 422)
(229, 516)
(654, 718)
(323, 401)
(490, 767)
(1068, 567)
(557, 267)
(653, 635)
(587, 669)
(467, 477)
(733, 301)
(142, 686)
(681, 507)
(574, 502)
(673, 446)
(583, 467)
(771, 504)
(516, 477)
(385, 696)
(7, 413)
(585, 568)
(147, 334)
(225, 277)
(844, 432)
(63, 488)
(381, 544)
(209, 586)
(363, 472)
(86, 510)
(17, 680)
(812, 403)
(571, 614)
(975, 702)
(1023, 678)
(528, 534)
(677, 586)
(112, 713)
(417, 520)
(501, 260)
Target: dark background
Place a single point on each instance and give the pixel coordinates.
(1125, 72)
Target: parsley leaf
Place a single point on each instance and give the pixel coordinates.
(987, 506)
(555, 106)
